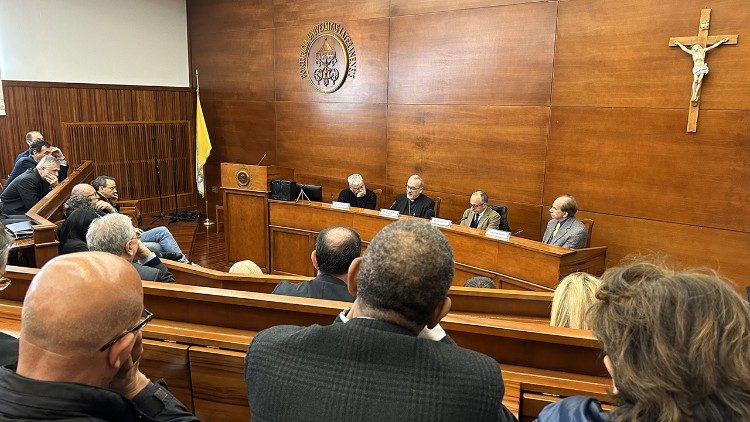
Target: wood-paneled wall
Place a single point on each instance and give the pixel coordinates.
(523, 99)
(48, 107)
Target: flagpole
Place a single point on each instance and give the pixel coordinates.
(207, 222)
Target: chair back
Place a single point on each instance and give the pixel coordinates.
(437, 200)
(503, 211)
(589, 223)
(378, 194)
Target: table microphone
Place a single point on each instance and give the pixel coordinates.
(261, 159)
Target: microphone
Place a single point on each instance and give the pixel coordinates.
(261, 159)
(518, 232)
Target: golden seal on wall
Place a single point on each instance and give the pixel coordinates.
(243, 177)
(327, 57)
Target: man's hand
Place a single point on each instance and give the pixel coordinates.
(55, 152)
(51, 179)
(129, 381)
(104, 206)
(143, 251)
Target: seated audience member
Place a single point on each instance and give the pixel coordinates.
(115, 234)
(37, 151)
(30, 138)
(72, 233)
(677, 346)
(158, 239)
(564, 229)
(80, 348)
(480, 215)
(8, 343)
(335, 249)
(245, 267)
(374, 367)
(358, 195)
(413, 202)
(480, 282)
(573, 298)
(84, 189)
(31, 186)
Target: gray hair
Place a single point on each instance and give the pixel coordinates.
(76, 201)
(355, 180)
(110, 234)
(47, 161)
(480, 282)
(418, 177)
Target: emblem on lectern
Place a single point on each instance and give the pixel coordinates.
(327, 57)
(243, 177)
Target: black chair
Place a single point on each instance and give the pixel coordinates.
(503, 211)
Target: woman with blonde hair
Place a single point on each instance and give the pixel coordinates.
(677, 346)
(573, 297)
(245, 267)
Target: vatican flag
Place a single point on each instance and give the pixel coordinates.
(202, 145)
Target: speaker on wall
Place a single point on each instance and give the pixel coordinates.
(284, 190)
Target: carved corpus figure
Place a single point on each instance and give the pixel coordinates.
(700, 68)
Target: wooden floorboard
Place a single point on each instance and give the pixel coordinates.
(203, 245)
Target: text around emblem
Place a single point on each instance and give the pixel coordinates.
(327, 57)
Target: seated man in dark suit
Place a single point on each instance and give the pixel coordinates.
(564, 229)
(413, 202)
(38, 150)
(8, 344)
(375, 367)
(335, 250)
(28, 188)
(30, 138)
(480, 215)
(80, 348)
(114, 233)
(358, 195)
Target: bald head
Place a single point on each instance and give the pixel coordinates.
(335, 249)
(33, 136)
(83, 189)
(56, 319)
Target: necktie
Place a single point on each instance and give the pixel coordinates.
(557, 228)
(475, 221)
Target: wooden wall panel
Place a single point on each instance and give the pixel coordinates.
(647, 165)
(294, 11)
(612, 53)
(726, 251)
(415, 7)
(234, 16)
(332, 139)
(460, 149)
(370, 37)
(500, 55)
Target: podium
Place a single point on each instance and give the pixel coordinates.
(246, 188)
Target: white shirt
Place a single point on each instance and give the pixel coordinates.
(437, 333)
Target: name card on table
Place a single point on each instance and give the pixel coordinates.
(498, 234)
(345, 206)
(440, 222)
(385, 212)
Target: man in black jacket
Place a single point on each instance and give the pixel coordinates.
(30, 138)
(80, 348)
(335, 249)
(114, 233)
(358, 195)
(38, 150)
(28, 188)
(413, 202)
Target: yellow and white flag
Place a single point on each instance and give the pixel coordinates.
(202, 145)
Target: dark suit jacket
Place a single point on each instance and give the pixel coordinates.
(368, 370)
(572, 234)
(489, 220)
(154, 270)
(423, 206)
(368, 201)
(8, 350)
(24, 192)
(324, 286)
(27, 163)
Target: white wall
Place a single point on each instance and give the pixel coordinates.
(127, 42)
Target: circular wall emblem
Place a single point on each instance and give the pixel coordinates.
(327, 57)
(243, 177)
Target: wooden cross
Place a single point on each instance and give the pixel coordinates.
(700, 44)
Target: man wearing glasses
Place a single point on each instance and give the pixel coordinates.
(31, 186)
(480, 215)
(413, 202)
(79, 359)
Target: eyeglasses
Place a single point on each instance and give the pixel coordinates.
(110, 187)
(357, 187)
(477, 205)
(412, 188)
(4, 282)
(146, 317)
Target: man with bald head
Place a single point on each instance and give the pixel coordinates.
(31, 136)
(413, 202)
(79, 359)
(335, 249)
(564, 229)
(101, 206)
(375, 367)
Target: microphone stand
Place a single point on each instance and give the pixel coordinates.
(157, 169)
(178, 215)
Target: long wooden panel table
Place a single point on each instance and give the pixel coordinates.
(515, 264)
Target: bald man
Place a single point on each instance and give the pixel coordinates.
(413, 202)
(30, 138)
(79, 359)
(84, 189)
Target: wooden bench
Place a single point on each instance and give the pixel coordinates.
(200, 336)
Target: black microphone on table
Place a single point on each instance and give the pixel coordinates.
(261, 159)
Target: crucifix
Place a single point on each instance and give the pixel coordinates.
(701, 43)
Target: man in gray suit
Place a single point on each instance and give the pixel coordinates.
(564, 229)
(115, 234)
(375, 367)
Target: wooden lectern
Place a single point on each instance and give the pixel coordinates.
(246, 189)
